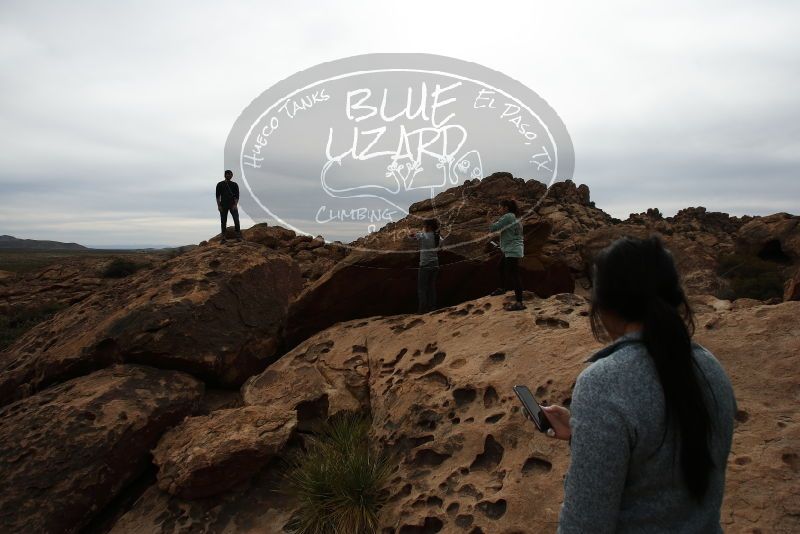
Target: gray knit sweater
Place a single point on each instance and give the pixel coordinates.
(619, 479)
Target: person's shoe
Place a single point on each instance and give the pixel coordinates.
(497, 292)
(239, 237)
(517, 306)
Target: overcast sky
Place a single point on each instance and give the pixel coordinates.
(114, 115)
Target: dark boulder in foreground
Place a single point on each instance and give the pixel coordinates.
(258, 507)
(66, 452)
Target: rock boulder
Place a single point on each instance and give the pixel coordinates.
(321, 377)
(217, 312)
(368, 283)
(438, 387)
(773, 237)
(314, 256)
(207, 455)
(67, 451)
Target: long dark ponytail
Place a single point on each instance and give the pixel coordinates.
(636, 279)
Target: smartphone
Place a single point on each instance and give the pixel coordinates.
(532, 408)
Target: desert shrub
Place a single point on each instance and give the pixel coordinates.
(120, 268)
(16, 322)
(751, 276)
(338, 480)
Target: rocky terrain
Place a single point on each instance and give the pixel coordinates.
(64, 280)
(439, 390)
(166, 401)
(563, 230)
(216, 312)
(69, 450)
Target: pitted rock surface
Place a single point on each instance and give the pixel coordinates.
(67, 451)
(439, 389)
(210, 454)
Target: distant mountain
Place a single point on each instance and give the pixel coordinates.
(11, 242)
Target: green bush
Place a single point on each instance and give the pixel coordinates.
(751, 276)
(120, 268)
(338, 480)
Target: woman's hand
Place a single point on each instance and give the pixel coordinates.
(559, 421)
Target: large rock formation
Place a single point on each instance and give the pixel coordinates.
(207, 455)
(772, 237)
(217, 312)
(437, 385)
(368, 283)
(697, 239)
(465, 213)
(439, 391)
(379, 278)
(577, 229)
(695, 260)
(68, 451)
(323, 381)
(314, 256)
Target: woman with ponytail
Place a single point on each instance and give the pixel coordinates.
(651, 418)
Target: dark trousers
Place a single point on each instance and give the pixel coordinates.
(509, 272)
(426, 288)
(223, 219)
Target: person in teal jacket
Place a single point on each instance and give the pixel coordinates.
(512, 247)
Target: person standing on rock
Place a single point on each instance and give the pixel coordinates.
(512, 247)
(228, 201)
(651, 419)
(429, 241)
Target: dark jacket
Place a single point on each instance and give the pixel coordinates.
(227, 193)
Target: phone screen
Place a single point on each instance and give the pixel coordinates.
(532, 407)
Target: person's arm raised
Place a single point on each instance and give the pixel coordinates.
(500, 223)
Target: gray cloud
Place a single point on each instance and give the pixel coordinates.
(114, 116)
